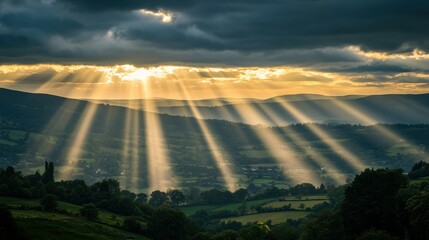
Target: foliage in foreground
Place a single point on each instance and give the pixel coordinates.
(378, 204)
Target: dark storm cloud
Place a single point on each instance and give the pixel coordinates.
(125, 5)
(241, 32)
(375, 68)
(392, 79)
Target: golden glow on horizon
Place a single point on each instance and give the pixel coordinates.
(261, 82)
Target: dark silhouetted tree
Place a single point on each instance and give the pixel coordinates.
(376, 235)
(48, 175)
(89, 211)
(418, 210)
(132, 224)
(241, 194)
(168, 224)
(325, 225)
(227, 235)
(370, 202)
(158, 198)
(8, 227)
(141, 198)
(177, 197)
(49, 202)
(201, 236)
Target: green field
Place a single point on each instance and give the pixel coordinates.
(256, 153)
(41, 225)
(231, 207)
(7, 142)
(295, 201)
(48, 225)
(294, 204)
(303, 198)
(402, 148)
(275, 217)
(419, 180)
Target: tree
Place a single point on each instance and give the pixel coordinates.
(128, 194)
(158, 198)
(227, 235)
(177, 197)
(48, 175)
(284, 231)
(132, 224)
(8, 227)
(303, 189)
(420, 169)
(201, 236)
(168, 224)
(325, 225)
(241, 194)
(124, 206)
(418, 210)
(336, 194)
(141, 198)
(322, 188)
(242, 209)
(259, 231)
(106, 189)
(215, 196)
(376, 235)
(49, 202)
(10, 171)
(370, 202)
(89, 211)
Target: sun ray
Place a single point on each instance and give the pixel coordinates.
(135, 161)
(221, 157)
(330, 168)
(84, 124)
(126, 146)
(382, 130)
(294, 169)
(351, 158)
(130, 146)
(160, 175)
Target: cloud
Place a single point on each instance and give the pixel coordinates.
(316, 33)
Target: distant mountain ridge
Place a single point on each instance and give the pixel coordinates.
(351, 109)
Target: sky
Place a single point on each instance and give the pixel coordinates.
(241, 48)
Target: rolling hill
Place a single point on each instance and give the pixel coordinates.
(35, 128)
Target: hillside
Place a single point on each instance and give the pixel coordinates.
(35, 128)
(39, 224)
(391, 109)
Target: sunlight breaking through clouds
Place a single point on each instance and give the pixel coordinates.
(165, 17)
(415, 54)
(112, 80)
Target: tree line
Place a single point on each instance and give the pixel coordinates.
(378, 204)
